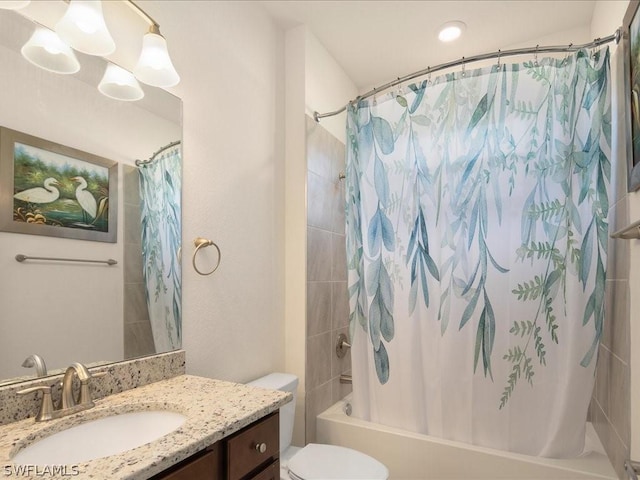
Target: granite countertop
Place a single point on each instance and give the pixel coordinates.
(214, 410)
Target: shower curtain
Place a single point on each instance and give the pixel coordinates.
(476, 247)
(160, 201)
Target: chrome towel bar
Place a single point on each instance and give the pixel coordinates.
(21, 258)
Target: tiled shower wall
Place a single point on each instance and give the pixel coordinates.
(138, 339)
(610, 409)
(327, 302)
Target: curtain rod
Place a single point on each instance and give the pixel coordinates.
(141, 163)
(463, 61)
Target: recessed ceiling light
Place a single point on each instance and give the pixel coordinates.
(451, 30)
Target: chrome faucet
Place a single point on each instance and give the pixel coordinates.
(37, 361)
(69, 404)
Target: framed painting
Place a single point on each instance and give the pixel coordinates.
(54, 190)
(631, 45)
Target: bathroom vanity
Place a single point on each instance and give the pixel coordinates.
(251, 453)
(230, 432)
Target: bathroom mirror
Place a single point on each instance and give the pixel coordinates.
(86, 312)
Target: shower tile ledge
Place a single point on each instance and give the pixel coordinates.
(214, 410)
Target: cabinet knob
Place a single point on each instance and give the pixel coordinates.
(261, 447)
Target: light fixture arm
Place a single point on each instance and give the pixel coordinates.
(154, 27)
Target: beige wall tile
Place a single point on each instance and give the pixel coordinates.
(338, 258)
(319, 305)
(318, 360)
(619, 409)
(339, 305)
(318, 255)
(138, 339)
(620, 323)
(339, 390)
(135, 304)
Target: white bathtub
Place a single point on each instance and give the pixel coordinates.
(409, 455)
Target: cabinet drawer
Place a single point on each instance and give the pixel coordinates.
(243, 449)
(203, 467)
(271, 472)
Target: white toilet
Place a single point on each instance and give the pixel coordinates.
(315, 461)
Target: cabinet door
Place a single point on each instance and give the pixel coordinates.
(253, 447)
(206, 466)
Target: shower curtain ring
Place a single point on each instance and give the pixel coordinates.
(200, 242)
(499, 53)
(463, 67)
(535, 57)
(566, 58)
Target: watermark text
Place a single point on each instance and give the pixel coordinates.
(41, 470)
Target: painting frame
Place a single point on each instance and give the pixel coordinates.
(631, 44)
(10, 142)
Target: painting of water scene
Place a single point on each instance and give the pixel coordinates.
(56, 190)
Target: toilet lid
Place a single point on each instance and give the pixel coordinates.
(328, 462)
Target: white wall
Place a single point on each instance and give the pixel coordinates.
(230, 58)
(327, 86)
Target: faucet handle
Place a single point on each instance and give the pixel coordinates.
(46, 407)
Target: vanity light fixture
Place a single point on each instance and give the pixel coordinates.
(154, 65)
(46, 50)
(451, 31)
(84, 29)
(14, 5)
(120, 84)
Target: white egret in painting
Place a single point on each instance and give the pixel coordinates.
(40, 195)
(84, 198)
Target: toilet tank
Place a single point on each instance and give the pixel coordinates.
(287, 383)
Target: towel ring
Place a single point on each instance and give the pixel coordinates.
(200, 242)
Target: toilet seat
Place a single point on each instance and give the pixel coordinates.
(330, 462)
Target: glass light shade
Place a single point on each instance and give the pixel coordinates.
(83, 28)
(120, 84)
(46, 50)
(13, 5)
(154, 66)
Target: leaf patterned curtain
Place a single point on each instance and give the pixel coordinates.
(160, 202)
(476, 246)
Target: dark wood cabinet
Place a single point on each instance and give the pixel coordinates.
(253, 453)
(253, 448)
(206, 465)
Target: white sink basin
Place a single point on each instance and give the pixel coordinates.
(100, 438)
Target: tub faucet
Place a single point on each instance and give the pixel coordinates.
(37, 361)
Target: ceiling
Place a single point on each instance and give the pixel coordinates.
(378, 41)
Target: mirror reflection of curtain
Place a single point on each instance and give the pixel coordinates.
(160, 206)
